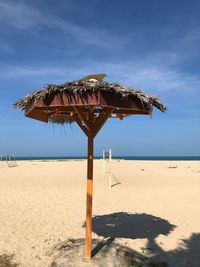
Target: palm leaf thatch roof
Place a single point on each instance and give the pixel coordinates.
(56, 103)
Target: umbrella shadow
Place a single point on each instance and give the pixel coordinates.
(127, 225)
(133, 226)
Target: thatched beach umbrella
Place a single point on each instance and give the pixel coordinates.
(89, 102)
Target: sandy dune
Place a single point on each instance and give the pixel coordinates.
(156, 206)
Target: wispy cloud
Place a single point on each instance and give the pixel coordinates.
(23, 72)
(157, 78)
(25, 17)
(156, 71)
(6, 48)
(154, 79)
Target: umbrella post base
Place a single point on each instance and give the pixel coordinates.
(87, 259)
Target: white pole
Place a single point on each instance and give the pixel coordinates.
(104, 167)
(110, 171)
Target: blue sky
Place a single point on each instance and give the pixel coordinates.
(151, 45)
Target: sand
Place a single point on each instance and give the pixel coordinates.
(154, 211)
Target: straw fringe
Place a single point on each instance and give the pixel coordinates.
(84, 87)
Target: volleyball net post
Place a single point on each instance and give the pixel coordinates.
(107, 165)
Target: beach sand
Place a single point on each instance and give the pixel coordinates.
(154, 211)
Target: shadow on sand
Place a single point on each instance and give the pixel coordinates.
(127, 225)
(108, 252)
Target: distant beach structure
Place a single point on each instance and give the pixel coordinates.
(107, 171)
(107, 168)
(8, 160)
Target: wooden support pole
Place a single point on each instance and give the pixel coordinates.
(90, 127)
(88, 238)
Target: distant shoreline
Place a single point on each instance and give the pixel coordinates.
(167, 158)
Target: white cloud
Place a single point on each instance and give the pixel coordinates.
(150, 77)
(157, 72)
(6, 48)
(160, 78)
(154, 79)
(21, 72)
(26, 17)
(18, 15)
